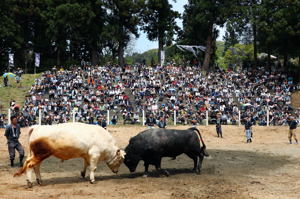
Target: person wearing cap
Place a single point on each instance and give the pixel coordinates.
(292, 131)
(218, 125)
(12, 134)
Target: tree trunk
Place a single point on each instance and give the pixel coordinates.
(208, 50)
(58, 57)
(20, 57)
(160, 48)
(285, 61)
(95, 57)
(121, 54)
(254, 44)
(299, 60)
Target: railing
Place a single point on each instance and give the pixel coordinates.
(141, 119)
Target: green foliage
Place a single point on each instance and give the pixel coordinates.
(159, 22)
(220, 51)
(200, 20)
(236, 55)
(279, 27)
(148, 56)
(66, 32)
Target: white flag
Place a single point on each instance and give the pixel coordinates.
(37, 59)
(11, 59)
(162, 57)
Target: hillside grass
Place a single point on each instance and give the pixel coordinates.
(15, 91)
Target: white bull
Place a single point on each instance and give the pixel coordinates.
(71, 140)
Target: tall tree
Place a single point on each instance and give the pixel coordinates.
(8, 33)
(278, 25)
(231, 37)
(159, 22)
(123, 22)
(201, 17)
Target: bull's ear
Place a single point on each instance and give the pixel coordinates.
(121, 153)
(118, 152)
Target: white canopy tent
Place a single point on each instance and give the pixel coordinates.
(194, 49)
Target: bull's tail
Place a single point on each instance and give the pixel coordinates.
(203, 148)
(26, 164)
(22, 170)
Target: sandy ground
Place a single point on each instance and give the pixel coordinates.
(267, 168)
(296, 99)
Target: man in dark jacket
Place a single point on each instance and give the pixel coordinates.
(292, 132)
(150, 121)
(12, 134)
(248, 129)
(218, 125)
(5, 81)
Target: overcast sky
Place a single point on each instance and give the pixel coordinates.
(143, 44)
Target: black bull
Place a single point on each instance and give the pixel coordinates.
(154, 144)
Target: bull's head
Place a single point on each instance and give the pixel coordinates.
(116, 161)
(131, 161)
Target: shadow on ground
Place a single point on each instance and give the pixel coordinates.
(221, 162)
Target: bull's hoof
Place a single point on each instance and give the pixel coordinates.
(92, 181)
(39, 181)
(145, 175)
(82, 174)
(29, 184)
(197, 171)
(166, 173)
(205, 153)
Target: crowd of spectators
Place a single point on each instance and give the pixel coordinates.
(88, 92)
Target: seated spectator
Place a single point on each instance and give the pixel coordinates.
(162, 123)
(101, 122)
(150, 121)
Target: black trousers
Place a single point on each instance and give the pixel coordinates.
(219, 130)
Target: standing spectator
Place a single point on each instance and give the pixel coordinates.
(2, 121)
(218, 126)
(12, 134)
(292, 132)
(162, 123)
(150, 121)
(18, 80)
(5, 81)
(248, 129)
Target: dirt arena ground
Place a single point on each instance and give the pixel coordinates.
(267, 168)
